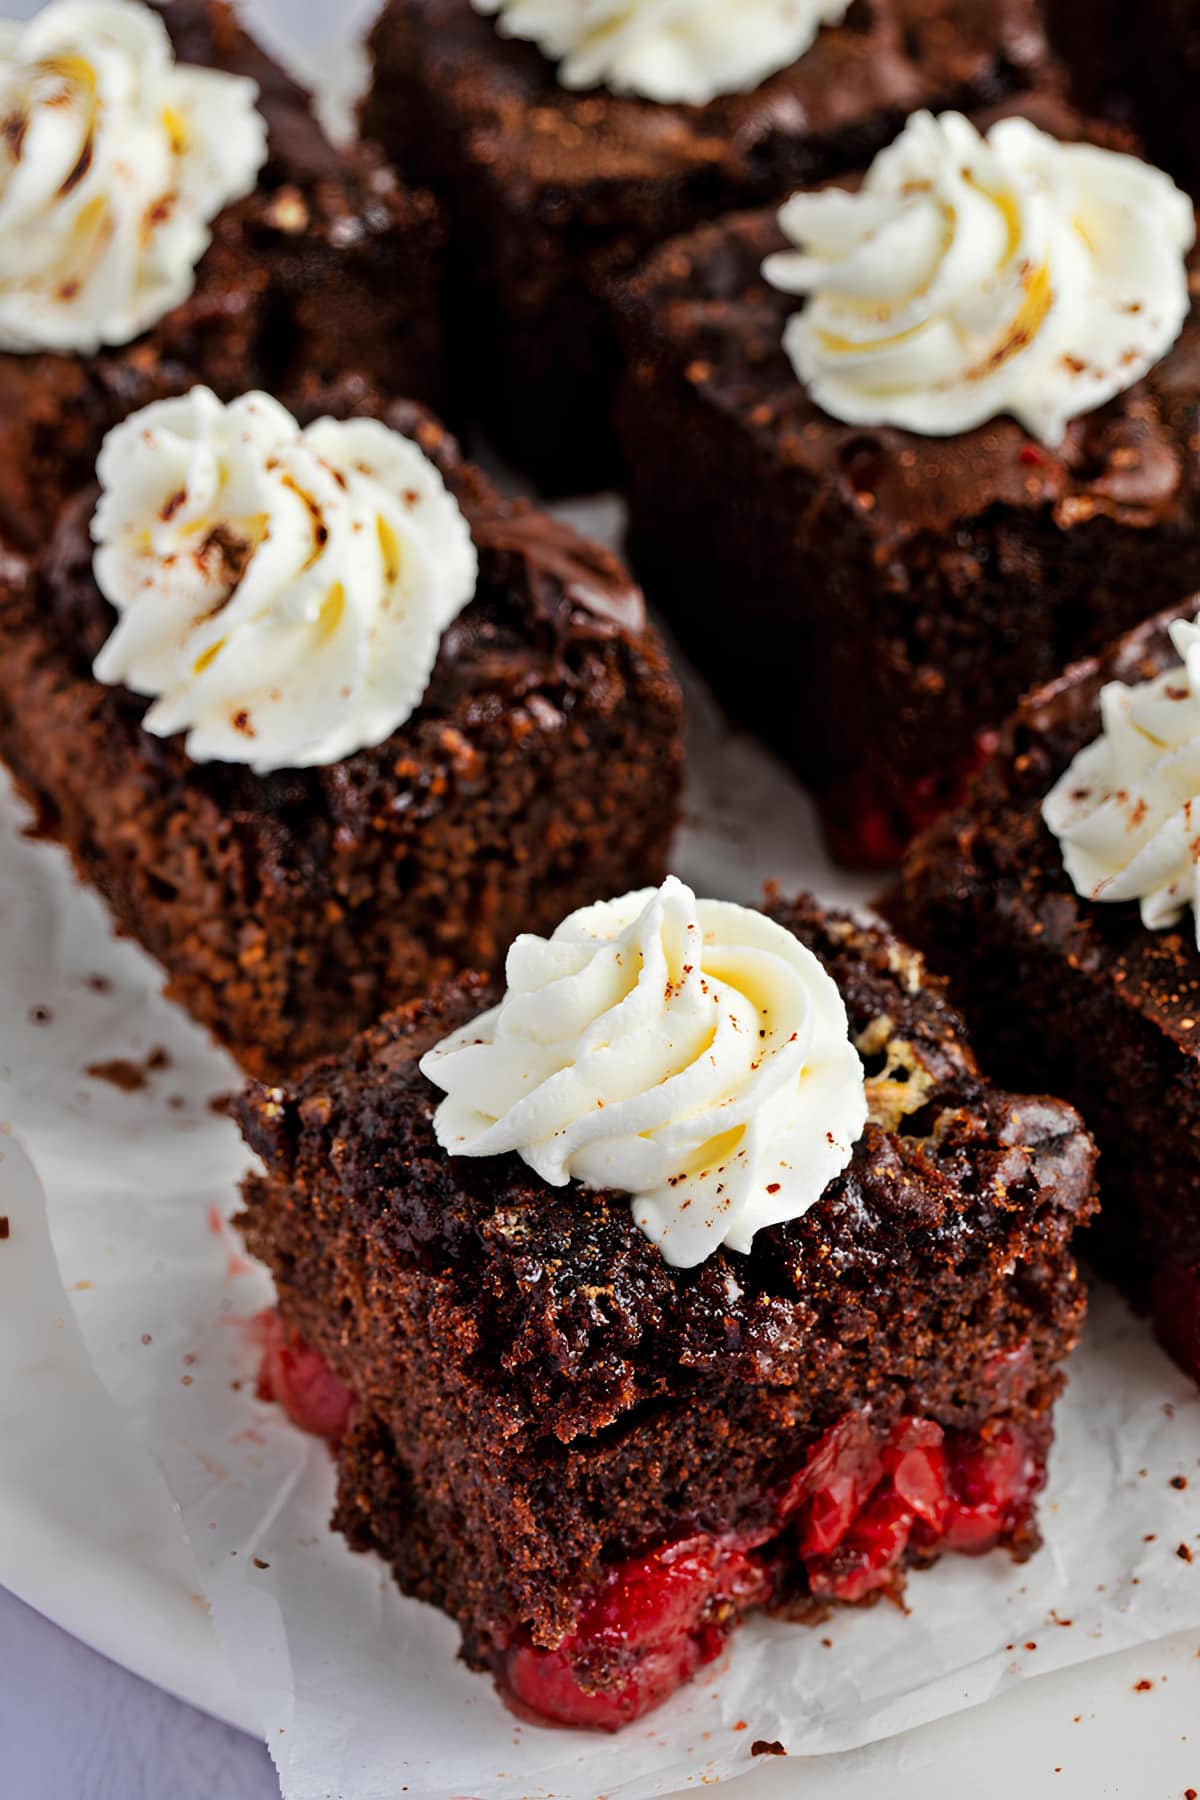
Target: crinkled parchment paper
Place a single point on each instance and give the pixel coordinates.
(357, 1690)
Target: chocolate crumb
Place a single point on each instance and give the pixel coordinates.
(1143, 1686)
(1184, 1553)
(129, 1076)
(119, 1072)
(99, 984)
(259, 1563)
(41, 1015)
(4, 1227)
(1179, 1482)
(767, 1747)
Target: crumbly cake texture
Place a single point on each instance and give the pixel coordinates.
(541, 771)
(871, 601)
(329, 268)
(553, 194)
(1079, 995)
(596, 1463)
(1140, 66)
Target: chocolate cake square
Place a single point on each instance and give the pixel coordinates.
(553, 193)
(597, 1462)
(542, 765)
(869, 599)
(1082, 994)
(330, 267)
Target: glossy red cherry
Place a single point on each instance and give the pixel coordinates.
(992, 1481)
(302, 1382)
(658, 1618)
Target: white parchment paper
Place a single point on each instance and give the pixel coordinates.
(355, 1689)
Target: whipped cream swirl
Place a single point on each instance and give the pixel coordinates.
(679, 52)
(691, 1054)
(114, 159)
(281, 593)
(1127, 811)
(973, 276)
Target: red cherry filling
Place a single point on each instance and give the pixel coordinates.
(862, 833)
(1175, 1303)
(655, 1621)
(992, 1480)
(848, 1517)
(864, 1497)
(302, 1382)
(855, 1508)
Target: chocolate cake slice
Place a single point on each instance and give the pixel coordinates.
(329, 268)
(553, 192)
(596, 1460)
(1077, 993)
(290, 905)
(870, 599)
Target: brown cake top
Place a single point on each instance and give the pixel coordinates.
(886, 57)
(947, 1183)
(690, 1053)
(553, 614)
(999, 843)
(702, 307)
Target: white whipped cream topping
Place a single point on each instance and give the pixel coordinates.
(679, 52)
(282, 593)
(1127, 811)
(974, 276)
(113, 161)
(691, 1054)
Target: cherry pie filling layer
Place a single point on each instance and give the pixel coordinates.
(865, 1502)
(864, 831)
